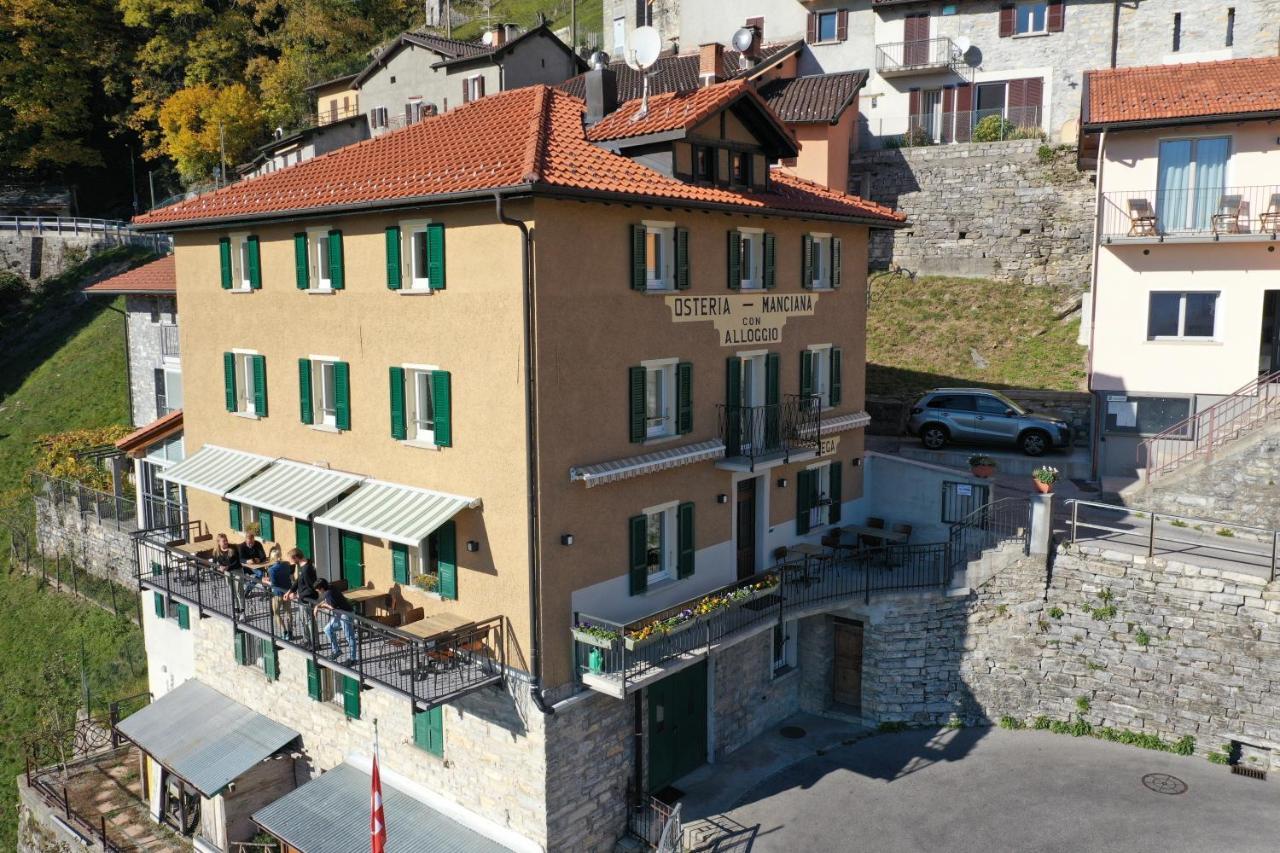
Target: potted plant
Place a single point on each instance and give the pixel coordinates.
(426, 582)
(982, 465)
(594, 635)
(1044, 477)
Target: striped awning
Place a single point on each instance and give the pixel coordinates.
(215, 469)
(397, 513)
(844, 423)
(294, 488)
(647, 463)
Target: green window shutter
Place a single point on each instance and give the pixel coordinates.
(636, 377)
(161, 611)
(772, 397)
(241, 647)
(685, 540)
(395, 272)
(428, 730)
(435, 256)
(302, 536)
(255, 262)
(639, 263)
(770, 255)
(836, 496)
(270, 660)
(399, 563)
(342, 394)
(266, 526)
(682, 259)
(301, 263)
(835, 261)
(684, 397)
(447, 560)
(806, 373)
(234, 515)
(351, 697)
(184, 617)
(335, 260)
(156, 569)
(803, 502)
(835, 376)
(259, 385)
(442, 401)
(224, 254)
(229, 377)
(735, 260)
(313, 681)
(399, 429)
(638, 553)
(806, 261)
(305, 410)
(733, 406)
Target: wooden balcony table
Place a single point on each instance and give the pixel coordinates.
(365, 596)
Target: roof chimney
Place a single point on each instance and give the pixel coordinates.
(710, 63)
(497, 35)
(602, 88)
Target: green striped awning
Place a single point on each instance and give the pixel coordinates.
(403, 514)
(215, 469)
(294, 488)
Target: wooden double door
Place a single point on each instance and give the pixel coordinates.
(677, 725)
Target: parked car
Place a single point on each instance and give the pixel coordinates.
(981, 416)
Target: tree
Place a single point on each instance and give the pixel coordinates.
(199, 124)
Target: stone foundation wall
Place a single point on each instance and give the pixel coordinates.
(103, 549)
(993, 209)
(39, 829)
(748, 697)
(1239, 484)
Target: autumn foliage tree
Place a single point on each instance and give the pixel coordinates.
(200, 124)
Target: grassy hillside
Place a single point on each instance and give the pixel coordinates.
(525, 13)
(70, 374)
(936, 331)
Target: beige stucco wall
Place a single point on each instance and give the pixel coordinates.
(372, 328)
(1130, 159)
(591, 328)
(825, 149)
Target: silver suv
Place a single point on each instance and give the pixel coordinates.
(982, 416)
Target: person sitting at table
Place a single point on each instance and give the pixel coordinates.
(340, 614)
(225, 557)
(251, 550)
(279, 579)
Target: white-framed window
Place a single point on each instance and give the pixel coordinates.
(1031, 18)
(240, 261)
(828, 25)
(324, 391)
(378, 118)
(318, 258)
(1182, 315)
(820, 512)
(753, 377)
(784, 647)
(424, 561)
(473, 88)
(820, 261)
(420, 404)
(246, 387)
(752, 255)
(660, 542)
(660, 255)
(416, 252)
(168, 390)
(660, 398)
(821, 360)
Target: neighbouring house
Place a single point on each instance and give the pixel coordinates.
(515, 469)
(1186, 286)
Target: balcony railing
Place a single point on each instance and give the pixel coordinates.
(429, 671)
(757, 433)
(1198, 214)
(941, 127)
(917, 57)
(169, 341)
(116, 511)
(329, 116)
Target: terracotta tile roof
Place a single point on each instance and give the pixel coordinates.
(1170, 92)
(679, 72)
(813, 100)
(154, 277)
(668, 111)
(531, 137)
(137, 442)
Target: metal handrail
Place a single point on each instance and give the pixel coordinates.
(918, 53)
(1263, 534)
(760, 432)
(1201, 433)
(989, 526)
(1208, 212)
(122, 511)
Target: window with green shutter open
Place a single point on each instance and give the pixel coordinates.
(421, 405)
(240, 258)
(416, 262)
(428, 730)
(324, 392)
(245, 383)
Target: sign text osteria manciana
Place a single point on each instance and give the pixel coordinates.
(739, 319)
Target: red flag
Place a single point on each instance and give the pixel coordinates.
(377, 824)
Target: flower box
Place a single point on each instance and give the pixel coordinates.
(633, 644)
(590, 639)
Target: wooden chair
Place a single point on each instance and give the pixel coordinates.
(870, 541)
(1270, 220)
(1232, 216)
(904, 529)
(391, 620)
(1142, 218)
(417, 614)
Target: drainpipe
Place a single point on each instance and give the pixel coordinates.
(531, 461)
(1115, 31)
(1099, 413)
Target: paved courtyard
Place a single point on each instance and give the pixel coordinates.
(984, 790)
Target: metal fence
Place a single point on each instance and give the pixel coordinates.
(655, 823)
(988, 527)
(169, 341)
(917, 55)
(760, 432)
(1208, 211)
(115, 511)
(113, 229)
(944, 127)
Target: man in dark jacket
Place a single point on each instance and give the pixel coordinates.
(339, 611)
(303, 588)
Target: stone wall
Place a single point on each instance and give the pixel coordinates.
(102, 548)
(146, 352)
(39, 256)
(748, 697)
(39, 829)
(991, 209)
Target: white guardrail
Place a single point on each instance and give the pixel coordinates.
(116, 229)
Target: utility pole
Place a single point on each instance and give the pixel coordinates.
(573, 25)
(133, 177)
(151, 179)
(222, 154)
(448, 18)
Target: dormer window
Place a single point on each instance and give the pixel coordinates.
(704, 163)
(741, 167)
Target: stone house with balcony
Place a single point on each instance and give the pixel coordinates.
(523, 474)
(1185, 328)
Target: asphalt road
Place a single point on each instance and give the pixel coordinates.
(987, 791)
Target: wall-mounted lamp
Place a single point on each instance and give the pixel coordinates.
(566, 538)
(722, 498)
(473, 545)
(857, 461)
(782, 482)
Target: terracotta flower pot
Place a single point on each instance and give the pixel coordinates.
(1043, 488)
(983, 471)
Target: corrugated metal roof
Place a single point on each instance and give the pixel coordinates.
(391, 511)
(204, 737)
(215, 469)
(647, 463)
(294, 488)
(331, 815)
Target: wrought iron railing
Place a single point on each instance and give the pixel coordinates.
(988, 527)
(906, 57)
(116, 511)
(429, 671)
(1199, 435)
(1210, 212)
(656, 824)
(944, 127)
(777, 430)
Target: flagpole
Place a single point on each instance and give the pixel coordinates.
(377, 819)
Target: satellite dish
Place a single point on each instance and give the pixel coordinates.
(643, 47)
(743, 39)
(487, 38)
(963, 44)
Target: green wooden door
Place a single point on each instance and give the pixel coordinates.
(677, 726)
(352, 551)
